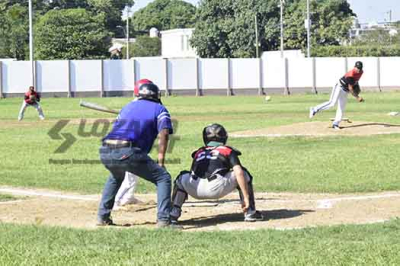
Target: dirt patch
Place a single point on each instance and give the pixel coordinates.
(281, 210)
(317, 129)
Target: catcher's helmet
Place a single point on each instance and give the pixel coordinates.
(359, 65)
(214, 132)
(140, 83)
(149, 91)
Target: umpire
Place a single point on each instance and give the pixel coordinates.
(126, 148)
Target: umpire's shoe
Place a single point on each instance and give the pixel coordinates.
(253, 216)
(169, 224)
(106, 222)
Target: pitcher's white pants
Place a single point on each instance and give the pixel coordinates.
(35, 105)
(338, 96)
(126, 193)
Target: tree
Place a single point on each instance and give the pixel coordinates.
(13, 31)
(164, 15)
(145, 46)
(226, 28)
(71, 34)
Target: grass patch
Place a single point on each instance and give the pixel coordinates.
(339, 245)
(299, 164)
(6, 197)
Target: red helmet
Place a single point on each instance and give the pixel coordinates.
(140, 83)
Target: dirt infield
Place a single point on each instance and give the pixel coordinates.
(319, 129)
(281, 210)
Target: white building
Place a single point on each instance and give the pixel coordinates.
(175, 43)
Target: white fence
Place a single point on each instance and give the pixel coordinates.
(194, 75)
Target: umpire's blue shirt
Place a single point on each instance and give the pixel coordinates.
(140, 121)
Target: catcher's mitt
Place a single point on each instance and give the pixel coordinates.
(356, 90)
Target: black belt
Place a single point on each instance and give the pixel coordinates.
(211, 178)
(116, 144)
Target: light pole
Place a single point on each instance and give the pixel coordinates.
(127, 32)
(308, 24)
(282, 2)
(31, 44)
(256, 29)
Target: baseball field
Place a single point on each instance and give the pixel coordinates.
(329, 197)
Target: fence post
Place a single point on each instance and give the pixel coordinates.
(102, 78)
(1, 80)
(198, 90)
(229, 89)
(378, 63)
(260, 72)
(314, 75)
(286, 67)
(167, 92)
(69, 95)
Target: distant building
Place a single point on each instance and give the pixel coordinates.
(175, 43)
(359, 29)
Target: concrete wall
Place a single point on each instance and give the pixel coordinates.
(195, 75)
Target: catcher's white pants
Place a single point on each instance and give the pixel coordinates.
(338, 96)
(35, 105)
(126, 193)
(201, 188)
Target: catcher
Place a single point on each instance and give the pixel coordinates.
(216, 171)
(347, 84)
(31, 98)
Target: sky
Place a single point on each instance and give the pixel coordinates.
(367, 10)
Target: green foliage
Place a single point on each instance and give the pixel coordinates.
(71, 34)
(145, 46)
(13, 31)
(14, 26)
(164, 15)
(331, 21)
(355, 51)
(226, 28)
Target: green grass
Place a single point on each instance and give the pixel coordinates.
(329, 164)
(339, 245)
(6, 197)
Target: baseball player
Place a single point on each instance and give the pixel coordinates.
(126, 148)
(126, 193)
(347, 84)
(31, 98)
(215, 172)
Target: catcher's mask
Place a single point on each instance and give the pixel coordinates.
(215, 132)
(359, 65)
(140, 83)
(149, 91)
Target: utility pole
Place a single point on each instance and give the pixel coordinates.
(31, 43)
(308, 24)
(256, 28)
(282, 2)
(127, 32)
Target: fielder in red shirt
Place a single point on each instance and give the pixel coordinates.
(31, 98)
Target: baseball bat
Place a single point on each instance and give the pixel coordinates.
(97, 107)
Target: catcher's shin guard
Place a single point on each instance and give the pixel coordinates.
(179, 196)
(251, 191)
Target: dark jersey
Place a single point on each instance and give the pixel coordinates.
(209, 161)
(31, 93)
(350, 78)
